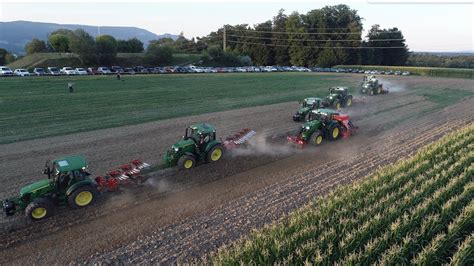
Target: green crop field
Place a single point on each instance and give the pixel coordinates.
(423, 71)
(38, 107)
(419, 211)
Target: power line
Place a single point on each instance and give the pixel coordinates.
(278, 39)
(318, 47)
(304, 33)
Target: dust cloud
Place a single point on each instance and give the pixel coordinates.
(259, 145)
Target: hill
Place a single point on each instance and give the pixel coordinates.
(15, 34)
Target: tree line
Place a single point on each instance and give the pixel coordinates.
(100, 50)
(322, 37)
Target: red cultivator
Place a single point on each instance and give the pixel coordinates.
(347, 127)
(243, 136)
(124, 175)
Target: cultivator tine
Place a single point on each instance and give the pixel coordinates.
(243, 136)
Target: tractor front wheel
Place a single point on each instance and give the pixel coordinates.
(215, 154)
(371, 92)
(338, 105)
(379, 90)
(349, 101)
(82, 197)
(186, 162)
(317, 138)
(39, 209)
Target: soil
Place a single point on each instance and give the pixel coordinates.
(178, 215)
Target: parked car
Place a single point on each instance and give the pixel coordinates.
(129, 71)
(68, 71)
(398, 72)
(405, 73)
(104, 71)
(21, 72)
(81, 71)
(5, 71)
(92, 71)
(39, 71)
(53, 71)
(116, 69)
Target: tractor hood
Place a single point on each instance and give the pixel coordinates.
(303, 110)
(182, 144)
(35, 186)
(308, 128)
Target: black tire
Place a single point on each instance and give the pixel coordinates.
(348, 101)
(317, 138)
(183, 162)
(331, 130)
(74, 198)
(210, 158)
(32, 209)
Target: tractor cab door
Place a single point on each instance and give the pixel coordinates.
(205, 139)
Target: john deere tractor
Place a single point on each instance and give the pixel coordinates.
(323, 124)
(338, 97)
(307, 105)
(370, 85)
(68, 183)
(198, 144)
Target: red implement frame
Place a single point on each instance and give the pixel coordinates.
(124, 175)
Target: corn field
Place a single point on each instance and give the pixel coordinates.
(418, 211)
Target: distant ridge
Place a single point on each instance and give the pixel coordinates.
(15, 34)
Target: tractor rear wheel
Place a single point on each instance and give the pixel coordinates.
(215, 153)
(186, 162)
(39, 209)
(82, 197)
(317, 138)
(334, 132)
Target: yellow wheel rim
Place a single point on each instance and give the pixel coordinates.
(319, 139)
(379, 90)
(335, 132)
(371, 92)
(188, 164)
(38, 213)
(216, 154)
(338, 105)
(84, 198)
(349, 102)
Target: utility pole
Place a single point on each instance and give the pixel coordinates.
(224, 44)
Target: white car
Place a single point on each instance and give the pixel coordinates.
(22, 72)
(5, 71)
(68, 71)
(104, 71)
(53, 71)
(405, 73)
(81, 71)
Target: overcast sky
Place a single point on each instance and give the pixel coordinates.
(427, 27)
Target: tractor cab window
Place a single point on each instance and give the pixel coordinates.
(63, 180)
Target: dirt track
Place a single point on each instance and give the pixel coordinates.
(187, 214)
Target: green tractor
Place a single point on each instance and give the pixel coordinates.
(338, 97)
(198, 144)
(371, 86)
(68, 183)
(323, 124)
(307, 105)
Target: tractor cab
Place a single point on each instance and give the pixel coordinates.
(312, 103)
(338, 91)
(323, 115)
(201, 134)
(66, 171)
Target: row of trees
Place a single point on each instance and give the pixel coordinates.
(324, 37)
(100, 50)
(434, 60)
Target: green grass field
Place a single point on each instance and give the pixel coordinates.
(419, 211)
(39, 107)
(423, 71)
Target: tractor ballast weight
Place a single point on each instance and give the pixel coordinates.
(306, 106)
(200, 143)
(338, 97)
(323, 124)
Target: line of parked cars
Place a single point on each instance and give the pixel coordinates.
(69, 71)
